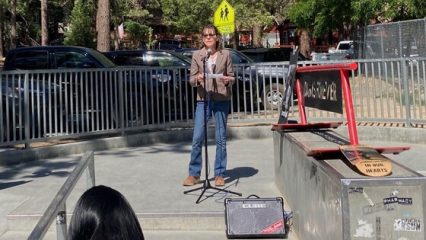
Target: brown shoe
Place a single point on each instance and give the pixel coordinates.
(191, 180)
(219, 181)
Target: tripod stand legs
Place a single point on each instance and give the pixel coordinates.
(207, 185)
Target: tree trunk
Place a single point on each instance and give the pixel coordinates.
(305, 43)
(235, 40)
(102, 26)
(1, 30)
(44, 27)
(13, 24)
(257, 36)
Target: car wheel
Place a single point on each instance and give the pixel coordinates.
(273, 96)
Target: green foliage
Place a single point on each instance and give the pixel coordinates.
(81, 25)
(183, 16)
(137, 16)
(397, 10)
(249, 14)
(380, 11)
(137, 31)
(323, 16)
(320, 17)
(31, 25)
(364, 10)
(127, 9)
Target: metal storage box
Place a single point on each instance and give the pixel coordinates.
(331, 201)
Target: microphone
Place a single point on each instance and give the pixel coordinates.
(209, 51)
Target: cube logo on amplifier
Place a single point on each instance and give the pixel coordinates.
(254, 218)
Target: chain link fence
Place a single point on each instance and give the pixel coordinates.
(392, 40)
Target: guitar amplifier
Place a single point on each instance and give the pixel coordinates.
(254, 217)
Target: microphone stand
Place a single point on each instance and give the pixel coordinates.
(206, 182)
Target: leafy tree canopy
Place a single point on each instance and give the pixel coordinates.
(185, 16)
(322, 16)
(319, 17)
(81, 33)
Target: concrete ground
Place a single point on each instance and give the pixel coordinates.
(150, 177)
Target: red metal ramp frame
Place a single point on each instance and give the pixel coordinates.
(343, 69)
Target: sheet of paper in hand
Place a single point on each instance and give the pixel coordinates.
(367, 160)
(214, 75)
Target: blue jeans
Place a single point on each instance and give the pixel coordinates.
(220, 111)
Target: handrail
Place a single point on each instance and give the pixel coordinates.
(56, 208)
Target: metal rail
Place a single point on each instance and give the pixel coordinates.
(57, 208)
(52, 104)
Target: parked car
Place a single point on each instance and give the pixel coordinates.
(159, 59)
(163, 84)
(66, 95)
(55, 57)
(186, 51)
(346, 47)
(170, 44)
(151, 58)
(172, 65)
(237, 56)
(271, 54)
(267, 78)
(343, 51)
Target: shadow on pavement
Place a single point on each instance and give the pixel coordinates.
(240, 172)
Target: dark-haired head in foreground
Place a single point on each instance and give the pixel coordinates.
(104, 213)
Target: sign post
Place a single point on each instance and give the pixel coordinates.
(224, 18)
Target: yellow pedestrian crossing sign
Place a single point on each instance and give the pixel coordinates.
(224, 18)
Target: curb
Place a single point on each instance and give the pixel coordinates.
(252, 131)
(17, 156)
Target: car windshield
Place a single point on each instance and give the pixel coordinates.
(187, 52)
(345, 46)
(164, 59)
(268, 54)
(183, 57)
(239, 57)
(101, 58)
(156, 58)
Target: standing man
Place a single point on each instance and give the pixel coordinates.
(219, 90)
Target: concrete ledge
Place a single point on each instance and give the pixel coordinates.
(325, 191)
(207, 221)
(388, 134)
(253, 131)
(16, 156)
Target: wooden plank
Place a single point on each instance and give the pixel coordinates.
(366, 160)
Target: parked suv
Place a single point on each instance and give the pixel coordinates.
(170, 44)
(161, 76)
(271, 54)
(267, 79)
(169, 66)
(151, 58)
(54, 96)
(237, 57)
(55, 57)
